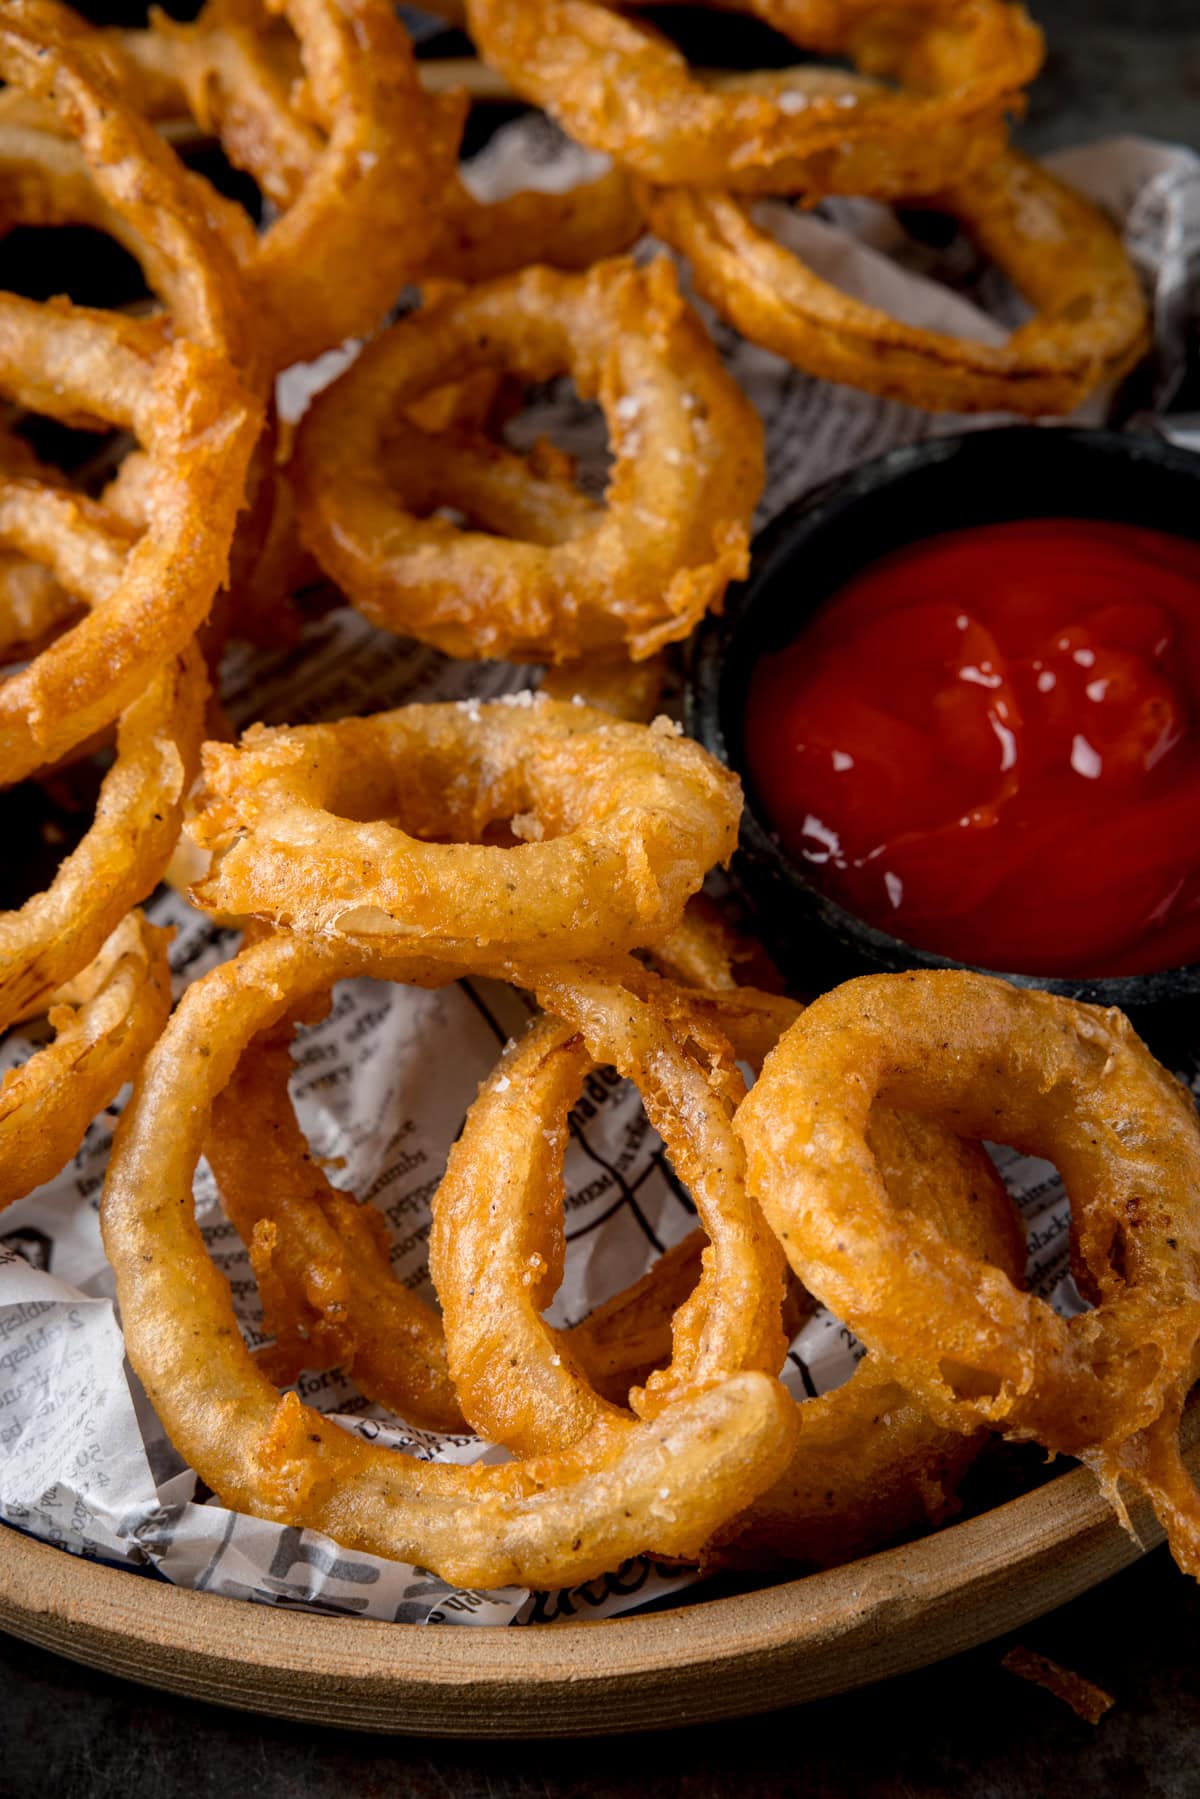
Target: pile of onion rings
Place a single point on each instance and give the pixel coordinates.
(664, 1486)
(921, 121)
(101, 600)
(557, 841)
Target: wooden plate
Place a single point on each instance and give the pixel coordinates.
(722, 1658)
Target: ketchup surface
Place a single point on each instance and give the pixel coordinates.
(986, 744)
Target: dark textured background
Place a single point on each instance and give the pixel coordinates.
(964, 1728)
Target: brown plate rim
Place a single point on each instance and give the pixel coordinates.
(882, 1615)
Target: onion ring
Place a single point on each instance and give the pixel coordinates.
(1090, 326)
(616, 85)
(177, 394)
(703, 948)
(104, 1021)
(336, 129)
(34, 606)
(329, 1296)
(45, 180)
(637, 573)
(267, 566)
(622, 823)
(124, 853)
(101, 164)
(497, 1244)
(546, 1522)
(871, 1465)
(483, 239)
(188, 407)
(353, 151)
(496, 1257)
(1051, 1077)
(891, 1468)
(622, 1342)
(625, 1338)
(140, 62)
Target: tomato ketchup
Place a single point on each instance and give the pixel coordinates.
(986, 744)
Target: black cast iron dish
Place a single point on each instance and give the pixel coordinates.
(814, 547)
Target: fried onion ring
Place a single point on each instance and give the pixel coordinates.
(189, 408)
(618, 86)
(123, 855)
(497, 1245)
(1090, 325)
(104, 1021)
(139, 62)
(235, 70)
(891, 1468)
(100, 163)
(621, 824)
(546, 1522)
(622, 1342)
(484, 239)
(333, 124)
(329, 1293)
(175, 392)
(1051, 1077)
(636, 573)
(871, 1464)
(34, 606)
(348, 146)
(329, 1296)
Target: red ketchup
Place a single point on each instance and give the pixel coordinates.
(986, 744)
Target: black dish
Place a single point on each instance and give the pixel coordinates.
(814, 547)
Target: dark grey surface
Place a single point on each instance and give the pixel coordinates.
(1114, 68)
(965, 1728)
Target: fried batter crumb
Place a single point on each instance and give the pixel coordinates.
(1085, 1699)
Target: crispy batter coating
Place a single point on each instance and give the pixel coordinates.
(497, 1246)
(122, 856)
(329, 1293)
(871, 1464)
(619, 824)
(104, 1022)
(174, 390)
(617, 85)
(545, 1522)
(549, 575)
(1054, 1078)
(1090, 322)
(484, 239)
(329, 1296)
(341, 136)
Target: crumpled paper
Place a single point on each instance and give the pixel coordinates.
(383, 1082)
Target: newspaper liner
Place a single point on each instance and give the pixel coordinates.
(383, 1082)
